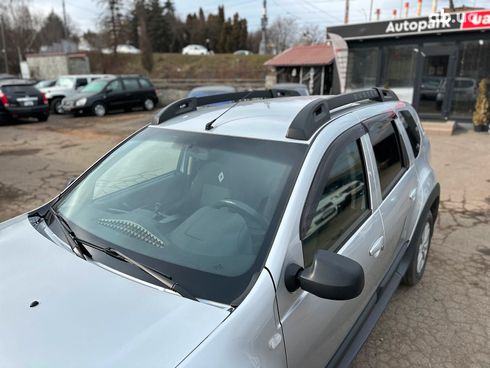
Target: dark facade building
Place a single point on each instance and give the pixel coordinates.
(434, 62)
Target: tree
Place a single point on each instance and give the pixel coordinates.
(157, 26)
(144, 42)
(283, 33)
(312, 35)
(113, 20)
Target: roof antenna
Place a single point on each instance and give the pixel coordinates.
(209, 125)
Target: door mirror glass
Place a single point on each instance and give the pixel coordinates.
(331, 276)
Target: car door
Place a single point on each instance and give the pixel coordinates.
(132, 92)
(397, 181)
(115, 95)
(340, 214)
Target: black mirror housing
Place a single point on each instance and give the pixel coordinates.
(331, 276)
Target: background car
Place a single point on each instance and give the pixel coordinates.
(123, 49)
(116, 93)
(464, 90)
(210, 90)
(67, 85)
(298, 87)
(20, 99)
(243, 52)
(45, 83)
(195, 50)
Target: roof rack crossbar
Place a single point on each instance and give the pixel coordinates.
(316, 113)
(186, 105)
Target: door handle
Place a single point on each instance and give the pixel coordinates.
(413, 194)
(377, 247)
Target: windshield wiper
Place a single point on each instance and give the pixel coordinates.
(74, 242)
(164, 279)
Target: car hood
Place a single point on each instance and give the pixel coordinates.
(78, 96)
(87, 316)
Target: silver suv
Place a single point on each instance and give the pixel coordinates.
(269, 231)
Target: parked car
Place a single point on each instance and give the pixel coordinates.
(4, 76)
(20, 99)
(123, 49)
(45, 83)
(298, 87)
(430, 86)
(464, 90)
(190, 243)
(243, 52)
(67, 85)
(102, 95)
(210, 90)
(195, 50)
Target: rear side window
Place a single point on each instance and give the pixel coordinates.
(387, 150)
(340, 204)
(131, 84)
(412, 130)
(145, 84)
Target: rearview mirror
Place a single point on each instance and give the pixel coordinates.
(331, 276)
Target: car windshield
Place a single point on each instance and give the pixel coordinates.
(66, 82)
(95, 86)
(202, 208)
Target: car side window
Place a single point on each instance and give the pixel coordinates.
(340, 204)
(131, 84)
(81, 82)
(115, 86)
(144, 83)
(412, 129)
(387, 148)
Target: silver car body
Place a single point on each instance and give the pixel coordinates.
(92, 315)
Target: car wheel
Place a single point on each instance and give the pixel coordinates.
(149, 104)
(42, 117)
(99, 109)
(416, 268)
(56, 106)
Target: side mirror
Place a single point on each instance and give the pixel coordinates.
(108, 90)
(331, 276)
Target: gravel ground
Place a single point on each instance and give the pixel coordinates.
(442, 322)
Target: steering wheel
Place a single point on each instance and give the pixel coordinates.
(244, 210)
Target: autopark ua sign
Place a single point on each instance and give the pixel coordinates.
(434, 23)
(441, 22)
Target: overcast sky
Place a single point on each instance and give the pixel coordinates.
(86, 13)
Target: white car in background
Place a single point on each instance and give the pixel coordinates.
(195, 50)
(123, 49)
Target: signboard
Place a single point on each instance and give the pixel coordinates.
(434, 23)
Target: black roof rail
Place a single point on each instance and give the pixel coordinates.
(186, 105)
(316, 113)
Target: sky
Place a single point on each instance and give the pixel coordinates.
(86, 13)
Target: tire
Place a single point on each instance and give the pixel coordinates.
(99, 109)
(56, 105)
(417, 265)
(42, 117)
(148, 104)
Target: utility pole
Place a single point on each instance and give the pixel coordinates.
(263, 23)
(371, 10)
(346, 15)
(65, 28)
(4, 46)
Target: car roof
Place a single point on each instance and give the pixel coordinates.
(86, 76)
(267, 119)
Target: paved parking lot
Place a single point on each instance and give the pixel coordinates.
(442, 322)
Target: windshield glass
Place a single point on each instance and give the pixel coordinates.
(201, 208)
(65, 82)
(96, 86)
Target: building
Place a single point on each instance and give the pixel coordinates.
(52, 65)
(311, 65)
(434, 62)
